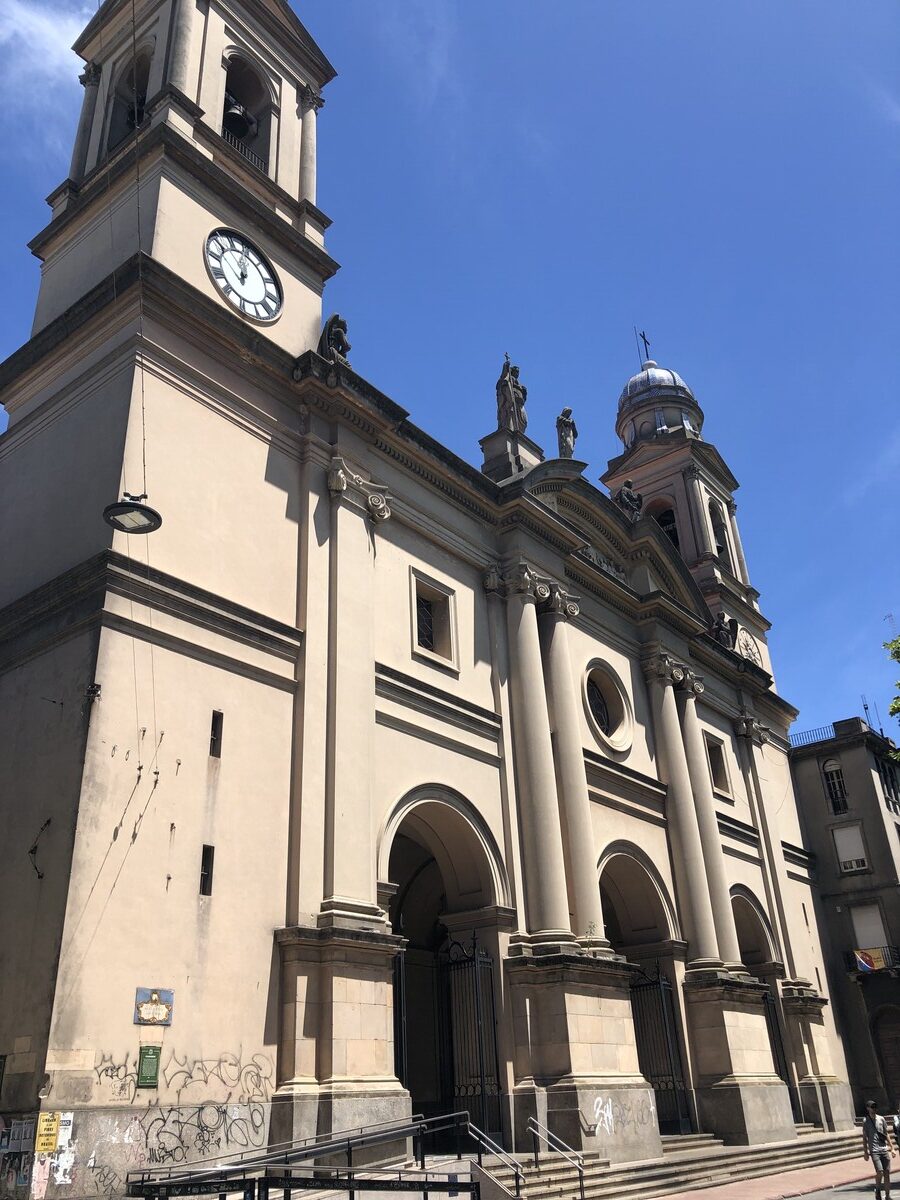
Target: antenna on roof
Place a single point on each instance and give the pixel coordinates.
(878, 715)
(866, 710)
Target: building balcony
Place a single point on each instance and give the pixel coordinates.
(872, 959)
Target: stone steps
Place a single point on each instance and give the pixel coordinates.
(706, 1164)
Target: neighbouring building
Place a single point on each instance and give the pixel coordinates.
(370, 781)
(848, 787)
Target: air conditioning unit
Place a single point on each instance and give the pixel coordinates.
(853, 864)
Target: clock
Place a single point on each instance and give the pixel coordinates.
(243, 275)
(748, 647)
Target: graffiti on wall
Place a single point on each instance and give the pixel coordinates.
(625, 1114)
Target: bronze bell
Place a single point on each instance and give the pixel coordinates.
(236, 119)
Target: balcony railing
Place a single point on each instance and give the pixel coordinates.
(872, 959)
(823, 734)
(244, 151)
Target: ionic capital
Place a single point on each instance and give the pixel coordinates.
(310, 98)
(692, 685)
(560, 603)
(754, 731)
(663, 669)
(373, 496)
(90, 76)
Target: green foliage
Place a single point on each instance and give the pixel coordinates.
(893, 648)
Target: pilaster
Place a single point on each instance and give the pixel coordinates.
(310, 103)
(90, 80)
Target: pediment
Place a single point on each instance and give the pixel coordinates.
(637, 553)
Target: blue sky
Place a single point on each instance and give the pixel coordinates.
(538, 177)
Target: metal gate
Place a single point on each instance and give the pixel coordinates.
(468, 1063)
(776, 1041)
(659, 1055)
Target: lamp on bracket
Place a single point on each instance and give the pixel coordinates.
(131, 515)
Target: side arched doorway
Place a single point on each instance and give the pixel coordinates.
(447, 880)
(886, 1036)
(757, 947)
(641, 925)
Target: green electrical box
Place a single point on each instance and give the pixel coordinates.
(148, 1066)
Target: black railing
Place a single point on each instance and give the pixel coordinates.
(824, 733)
(872, 958)
(293, 1166)
(251, 156)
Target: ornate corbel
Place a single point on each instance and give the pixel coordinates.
(747, 726)
(90, 76)
(375, 496)
(492, 580)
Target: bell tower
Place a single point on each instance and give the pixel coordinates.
(196, 117)
(687, 488)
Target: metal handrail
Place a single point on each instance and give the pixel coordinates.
(537, 1130)
(498, 1152)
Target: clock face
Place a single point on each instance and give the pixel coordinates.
(243, 275)
(749, 648)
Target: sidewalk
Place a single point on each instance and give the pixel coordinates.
(792, 1183)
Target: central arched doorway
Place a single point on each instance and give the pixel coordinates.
(640, 925)
(447, 881)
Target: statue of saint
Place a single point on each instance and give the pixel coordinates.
(333, 343)
(722, 631)
(629, 501)
(566, 433)
(511, 395)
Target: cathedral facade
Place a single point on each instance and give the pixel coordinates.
(368, 782)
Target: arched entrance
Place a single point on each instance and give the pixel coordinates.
(757, 949)
(447, 880)
(886, 1036)
(641, 925)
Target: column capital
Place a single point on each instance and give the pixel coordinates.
(663, 669)
(310, 98)
(731, 505)
(691, 471)
(90, 76)
(373, 496)
(560, 603)
(692, 685)
(747, 726)
(521, 580)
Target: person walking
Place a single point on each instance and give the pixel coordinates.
(879, 1146)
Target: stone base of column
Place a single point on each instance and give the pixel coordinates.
(827, 1101)
(337, 1034)
(575, 1058)
(548, 942)
(507, 454)
(739, 1096)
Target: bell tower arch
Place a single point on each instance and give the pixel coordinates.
(688, 489)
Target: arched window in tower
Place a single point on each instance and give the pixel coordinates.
(247, 113)
(666, 521)
(128, 99)
(720, 534)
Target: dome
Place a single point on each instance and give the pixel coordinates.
(653, 381)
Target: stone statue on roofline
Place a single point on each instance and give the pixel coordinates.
(511, 396)
(722, 631)
(566, 433)
(334, 344)
(630, 501)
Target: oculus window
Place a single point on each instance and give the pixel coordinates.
(608, 707)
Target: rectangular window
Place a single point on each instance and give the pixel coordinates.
(433, 620)
(206, 870)
(868, 927)
(818, 978)
(834, 786)
(215, 735)
(425, 622)
(718, 767)
(850, 848)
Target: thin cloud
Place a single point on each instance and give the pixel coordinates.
(39, 72)
(879, 473)
(885, 103)
(421, 36)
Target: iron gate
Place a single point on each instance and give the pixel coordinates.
(466, 1026)
(776, 1041)
(659, 1055)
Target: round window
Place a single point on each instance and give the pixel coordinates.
(608, 708)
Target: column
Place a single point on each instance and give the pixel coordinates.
(546, 897)
(698, 768)
(310, 103)
(90, 80)
(698, 506)
(738, 547)
(574, 801)
(180, 44)
(687, 849)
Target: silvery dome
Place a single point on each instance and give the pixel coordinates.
(653, 381)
